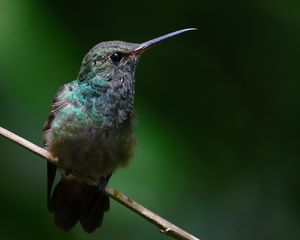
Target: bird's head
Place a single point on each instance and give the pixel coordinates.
(116, 60)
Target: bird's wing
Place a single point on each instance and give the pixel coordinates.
(56, 104)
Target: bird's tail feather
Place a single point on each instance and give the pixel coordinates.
(73, 200)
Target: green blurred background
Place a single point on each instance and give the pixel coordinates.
(218, 114)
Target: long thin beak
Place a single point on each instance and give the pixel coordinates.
(144, 46)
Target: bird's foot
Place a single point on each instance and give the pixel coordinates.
(103, 182)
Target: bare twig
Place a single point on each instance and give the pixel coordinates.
(165, 226)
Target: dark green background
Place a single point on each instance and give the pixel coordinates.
(218, 114)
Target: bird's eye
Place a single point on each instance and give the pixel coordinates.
(116, 57)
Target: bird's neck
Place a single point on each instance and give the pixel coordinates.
(108, 100)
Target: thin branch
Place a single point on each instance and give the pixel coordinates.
(165, 226)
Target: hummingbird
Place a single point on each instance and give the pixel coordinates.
(90, 131)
